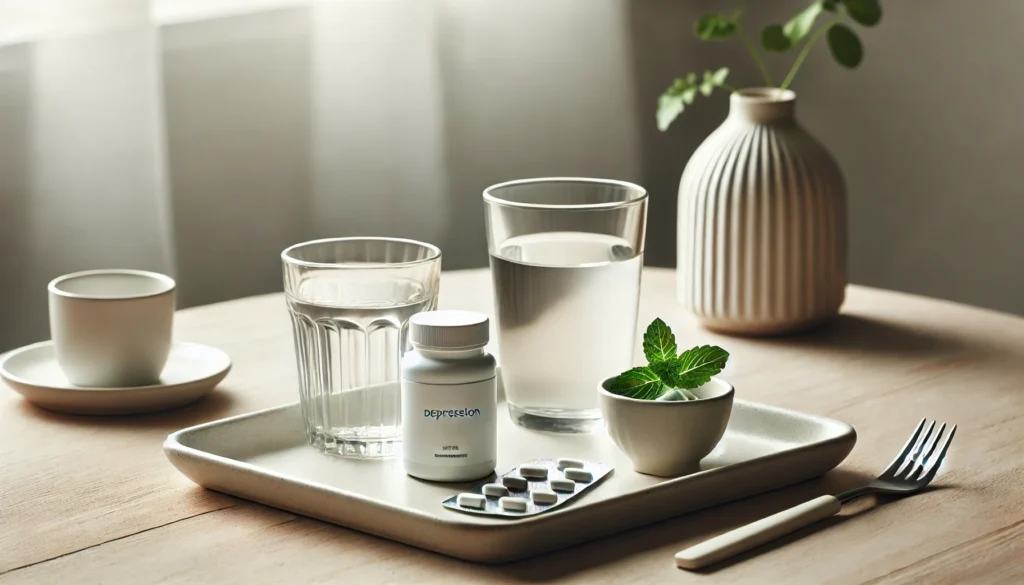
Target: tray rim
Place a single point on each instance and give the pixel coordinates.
(845, 433)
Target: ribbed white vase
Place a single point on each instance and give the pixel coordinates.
(762, 222)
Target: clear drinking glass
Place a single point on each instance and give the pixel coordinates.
(350, 300)
(566, 256)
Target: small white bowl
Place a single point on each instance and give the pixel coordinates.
(668, 438)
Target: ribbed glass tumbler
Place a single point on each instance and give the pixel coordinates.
(350, 300)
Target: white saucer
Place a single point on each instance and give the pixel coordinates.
(192, 370)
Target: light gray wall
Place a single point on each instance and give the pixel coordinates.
(930, 137)
(932, 148)
(926, 130)
(203, 147)
(82, 181)
(236, 94)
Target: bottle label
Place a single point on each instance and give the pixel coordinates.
(449, 424)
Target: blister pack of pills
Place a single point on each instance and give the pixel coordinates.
(530, 488)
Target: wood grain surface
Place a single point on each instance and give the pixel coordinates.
(93, 500)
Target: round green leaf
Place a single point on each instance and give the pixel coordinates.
(800, 25)
(774, 39)
(715, 27)
(845, 46)
(866, 12)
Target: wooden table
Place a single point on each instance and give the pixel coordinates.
(89, 500)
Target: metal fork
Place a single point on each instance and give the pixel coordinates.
(913, 469)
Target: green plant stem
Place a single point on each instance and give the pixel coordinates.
(755, 54)
(807, 50)
(728, 87)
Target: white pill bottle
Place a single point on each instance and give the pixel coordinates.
(449, 398)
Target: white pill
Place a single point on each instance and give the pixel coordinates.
(567, 463)
(495, 489)
(672, 396)
(513, 503)
(533, 471)
(563, 485)
(579, 475)
(514, 482)
(472, 501)
(543, 497)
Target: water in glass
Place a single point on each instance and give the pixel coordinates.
(566, 307)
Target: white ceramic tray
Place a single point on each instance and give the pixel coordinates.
(263, 457)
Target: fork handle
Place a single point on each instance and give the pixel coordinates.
(757, 533)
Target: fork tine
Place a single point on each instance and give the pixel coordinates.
(917, 466)
(915, 453)
(934, 464)
(906, 449)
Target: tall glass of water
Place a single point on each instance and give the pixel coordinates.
(350, 300)
(566, 256)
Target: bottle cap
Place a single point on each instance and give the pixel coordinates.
(448, 330)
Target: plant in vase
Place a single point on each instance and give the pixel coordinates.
(762, 205)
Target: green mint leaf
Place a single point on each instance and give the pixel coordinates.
(659, 342)
(845, 46)
(707, 88)
(774, 39)
(715, 27)
(865, 12)
(718, 77)
(800, 25)
(641, 383)
(689, 95)
(696, 366)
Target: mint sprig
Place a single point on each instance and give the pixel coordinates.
(667, 372)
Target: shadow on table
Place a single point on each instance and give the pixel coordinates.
(216, 404)
(858, 333)
(683, 531)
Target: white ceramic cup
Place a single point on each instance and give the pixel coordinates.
(668, 439)
(112, 328)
